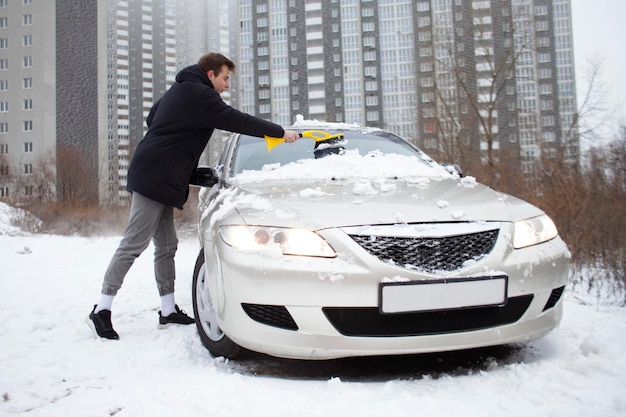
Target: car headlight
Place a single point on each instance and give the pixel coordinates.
(289, 241)
(533, 231)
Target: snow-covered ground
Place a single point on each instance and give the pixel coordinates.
(51, 364)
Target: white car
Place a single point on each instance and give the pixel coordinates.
(352, 242)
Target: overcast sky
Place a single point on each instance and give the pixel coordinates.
(600, 31)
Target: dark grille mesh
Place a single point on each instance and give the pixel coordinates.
(554, 298)
(369, 322)
(276, 316)
(429, 254)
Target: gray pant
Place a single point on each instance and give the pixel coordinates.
(148, 220)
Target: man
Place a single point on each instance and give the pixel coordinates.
(179, 127)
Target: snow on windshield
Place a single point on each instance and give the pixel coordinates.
(351, 164)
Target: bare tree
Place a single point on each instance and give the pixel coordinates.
(74, 178)
(594, 112)
(475, 87)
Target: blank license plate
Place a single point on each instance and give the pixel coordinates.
(403, 297)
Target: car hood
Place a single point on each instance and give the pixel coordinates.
(353, 202)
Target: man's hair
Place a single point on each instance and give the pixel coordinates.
(214, 61)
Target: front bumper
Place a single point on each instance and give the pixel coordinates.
(315, 308)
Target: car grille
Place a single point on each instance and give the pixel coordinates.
(369, 322)
(429, 254)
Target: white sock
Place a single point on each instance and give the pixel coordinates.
(168, 304)
(106, 301)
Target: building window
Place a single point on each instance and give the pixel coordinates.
(371, 101)
(4, 170)
(369, 56)
(27, 40)
(544, 73)
(543, 41)
(28, 168)
(28, 104)
(4, 148)
(545, 88)
(543, 57)
(27, 19)
(4, 128)
(372, 116)
(3, 3)
(28, 125)
(370, 71)
(28, 190)
(28, 83)
(426, 66)
(4, 22)
(4, 43)
(28, 61)
(4, 106)
(371, 86)
(367, 12)
(423, 21)
(547, 120)
(4, 64)
(4, 191)
(424, 36)
(28, 147)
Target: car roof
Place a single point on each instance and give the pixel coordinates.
(302, 124)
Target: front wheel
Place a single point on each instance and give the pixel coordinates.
(210, 333)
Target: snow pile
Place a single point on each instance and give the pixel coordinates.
(15, 220)
(5, 220)
(349, 165)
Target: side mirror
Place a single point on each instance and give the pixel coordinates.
(204, 177)
(453, 168)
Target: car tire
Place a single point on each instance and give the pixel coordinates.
(210, 333)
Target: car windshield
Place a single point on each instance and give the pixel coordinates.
(337, 156)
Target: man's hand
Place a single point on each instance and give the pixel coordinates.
(291, 136)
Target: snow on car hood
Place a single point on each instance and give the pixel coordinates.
(352, 190)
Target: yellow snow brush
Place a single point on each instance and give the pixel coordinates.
(317, 135)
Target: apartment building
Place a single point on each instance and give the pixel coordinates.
(469, 80)
(27, 95)
(77, 80)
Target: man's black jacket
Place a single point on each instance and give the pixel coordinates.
(179, 127)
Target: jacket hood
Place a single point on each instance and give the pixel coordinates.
(194, 74)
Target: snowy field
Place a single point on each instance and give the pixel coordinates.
(51, 364)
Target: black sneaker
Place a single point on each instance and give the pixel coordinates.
(101, 324)
(179, 317)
